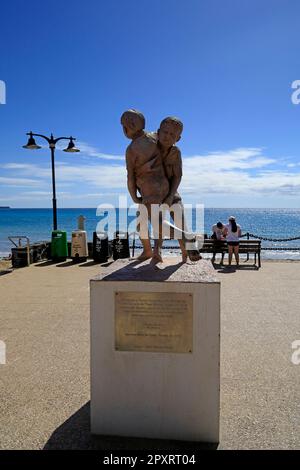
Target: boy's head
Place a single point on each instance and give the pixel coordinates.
(219, 225)
(132, 121)
(169, 131)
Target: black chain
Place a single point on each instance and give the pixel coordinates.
(270, 239)
(253, 236)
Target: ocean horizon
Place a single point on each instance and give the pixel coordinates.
(270, 223)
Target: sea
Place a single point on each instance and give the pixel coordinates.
(271, 224)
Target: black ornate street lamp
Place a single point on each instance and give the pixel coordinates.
(31, 145)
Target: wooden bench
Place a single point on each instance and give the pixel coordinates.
(246, 246)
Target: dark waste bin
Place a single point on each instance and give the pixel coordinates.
(59, 245)
(100, 248)
(20, 258)
(120, 246)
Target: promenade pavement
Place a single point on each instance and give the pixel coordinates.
(45, 384)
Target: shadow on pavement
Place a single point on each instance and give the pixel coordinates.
(45, 263)
(75, 434)
(66, 264)
(6, 271)
(108, 263)
(225, 269)
(89, 263)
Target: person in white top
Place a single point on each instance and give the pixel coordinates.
(217, 236)
(233, 233)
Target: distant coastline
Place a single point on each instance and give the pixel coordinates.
(4, 207)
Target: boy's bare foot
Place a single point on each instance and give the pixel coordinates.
(184, 257)
(145, 255)
(194, 255)
(156, 258)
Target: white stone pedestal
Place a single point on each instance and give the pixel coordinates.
(147, 381)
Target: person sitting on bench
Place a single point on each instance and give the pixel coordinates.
(217, 236)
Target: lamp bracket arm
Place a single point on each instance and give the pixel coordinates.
(39, 135)
(64, 138)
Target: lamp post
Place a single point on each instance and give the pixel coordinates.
(31, 145)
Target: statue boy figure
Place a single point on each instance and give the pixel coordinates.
(169, 133)
(145, 171)
(154, 168)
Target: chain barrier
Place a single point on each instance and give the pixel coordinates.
(248, 235)
(270, 239)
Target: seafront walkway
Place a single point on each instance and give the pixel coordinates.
(44, 386)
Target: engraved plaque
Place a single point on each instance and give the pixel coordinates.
(154, 322)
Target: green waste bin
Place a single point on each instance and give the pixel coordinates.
(59, 245)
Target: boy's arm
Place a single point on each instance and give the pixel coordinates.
(131, 181)
(176, 178)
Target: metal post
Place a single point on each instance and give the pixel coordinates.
(133, 244)
(28, 250)
(247, 253)
(53, 189)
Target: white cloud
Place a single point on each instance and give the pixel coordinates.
(239, 159)
(90, 151)
(229, 173)
(12, 181)
(241, 171)
(29, 169)
(101, 176)
(42, 193)
(293, 165)
(101, 194)
(14, 166)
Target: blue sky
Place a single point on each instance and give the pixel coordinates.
(224, 67)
